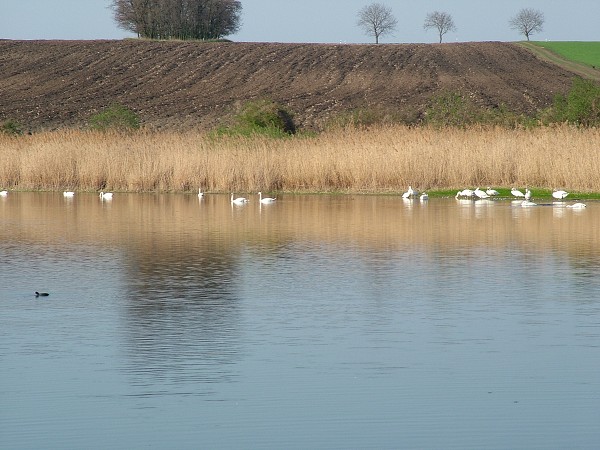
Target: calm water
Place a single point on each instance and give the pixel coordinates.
(316, 322)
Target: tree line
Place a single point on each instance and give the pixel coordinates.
(214, 19)
(378, 20)
(178, 19)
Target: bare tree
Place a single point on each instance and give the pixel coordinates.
(442, 21)
(179, 19)
(377, 20)
(528, 21)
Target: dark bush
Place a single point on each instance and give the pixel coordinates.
(11, 127)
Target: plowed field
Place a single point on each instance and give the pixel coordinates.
(52, 84)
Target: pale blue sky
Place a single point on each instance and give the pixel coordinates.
(327, 21)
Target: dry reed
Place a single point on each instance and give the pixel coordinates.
(383, 159)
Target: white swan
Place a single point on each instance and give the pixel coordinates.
(516, 192)
(481, 194)
(106, 195)
(527, 194)
(68, 194)
(490, 191)
(577, 205)
(559, 195)
(3, 193)
(410, 193)
(465, 193)
(238, 200)
(424, 196)
(200, 193)
(266, 199)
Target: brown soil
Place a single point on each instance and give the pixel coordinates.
(52, 84)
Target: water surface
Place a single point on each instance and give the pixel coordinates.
(315, 322)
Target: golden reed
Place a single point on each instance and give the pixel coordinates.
(382, 159)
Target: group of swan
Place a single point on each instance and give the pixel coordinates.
(103, 195)
(244, 200)
(413, 193)
(479, 193)
(410, 193)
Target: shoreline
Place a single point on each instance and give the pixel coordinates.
(375, 161)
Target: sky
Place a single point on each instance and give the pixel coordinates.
(318, 21)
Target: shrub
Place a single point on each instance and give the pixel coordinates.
(263, 117)
(581, 106)
(450, 109)
(11, 127)
(115, 117)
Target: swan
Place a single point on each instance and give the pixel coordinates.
(481, 194)
(238, 200)
(490, 191)
(527, 194)
(3, 193)
(424, 196)
(68, 194)
(41, 294)
(577, 205)
(266, 199)
(200, 193)
(410, 193)
(516, 192)
(106, 195)
(465, 193)
(559, 195)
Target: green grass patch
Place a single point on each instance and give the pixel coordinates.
(115, 118)
(583, 52)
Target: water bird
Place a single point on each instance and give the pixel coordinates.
(465, 193)
(527, 194)
(577, 205)
(516, 192)
(106, 195)
(559, 195)
(238, 200)
(409, 193)
(266, 199)
(200, 193)
(3, 193)
(490, 191)
(41, 294)
(481, 194)
(424, 196)
(68, 194)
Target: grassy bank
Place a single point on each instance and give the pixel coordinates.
(582, 58)
(379, 160)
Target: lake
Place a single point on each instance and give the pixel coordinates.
(319, 321)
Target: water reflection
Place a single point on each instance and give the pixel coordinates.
(183, 319)
(356, 317)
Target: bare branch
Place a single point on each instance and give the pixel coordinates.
(180, 19)
(377, 20)
(442, 21)
(528, 21)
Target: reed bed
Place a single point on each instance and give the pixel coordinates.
(377, 160)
